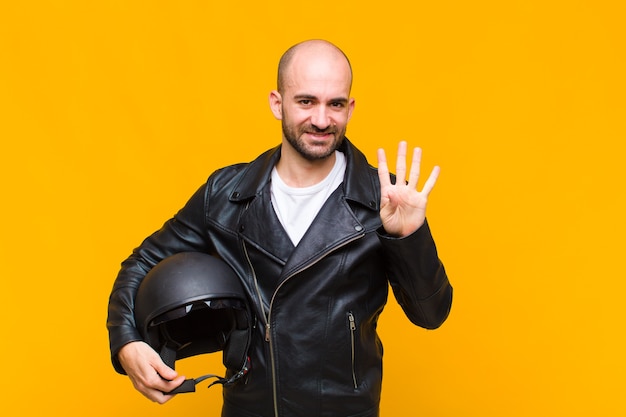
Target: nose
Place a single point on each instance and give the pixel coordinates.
(320, 118)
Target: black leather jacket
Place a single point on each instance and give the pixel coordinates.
(315, 350)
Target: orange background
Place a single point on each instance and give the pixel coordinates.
(112, 113)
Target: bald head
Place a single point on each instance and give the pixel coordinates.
(310, 51)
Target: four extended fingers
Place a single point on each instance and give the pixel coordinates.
(414, 173)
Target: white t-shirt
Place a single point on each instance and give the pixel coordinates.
(297, 207)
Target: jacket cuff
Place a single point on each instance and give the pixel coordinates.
(421, 233)
(118, 341)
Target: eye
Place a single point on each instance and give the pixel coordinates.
(305, 102)
(337, 104)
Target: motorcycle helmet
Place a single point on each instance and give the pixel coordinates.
(190, 304)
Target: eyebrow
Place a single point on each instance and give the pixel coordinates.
(343, 100)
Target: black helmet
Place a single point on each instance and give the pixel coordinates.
(193, 303)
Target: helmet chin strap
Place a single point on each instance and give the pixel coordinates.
(168, 354)
(189, 385)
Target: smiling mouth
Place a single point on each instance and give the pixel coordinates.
(320, 134)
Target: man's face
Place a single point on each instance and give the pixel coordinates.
(315, 106)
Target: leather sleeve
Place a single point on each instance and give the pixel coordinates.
(418, 278)
(186, 231)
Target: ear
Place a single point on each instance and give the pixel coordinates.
(351, 105)
(276, 104)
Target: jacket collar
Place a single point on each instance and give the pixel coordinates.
(360, 183)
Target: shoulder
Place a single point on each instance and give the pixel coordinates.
(243, 180)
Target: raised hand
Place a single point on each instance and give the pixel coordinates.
(402, 207)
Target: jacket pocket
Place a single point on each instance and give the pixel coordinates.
(352, 329)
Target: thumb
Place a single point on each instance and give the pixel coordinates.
(165, 371)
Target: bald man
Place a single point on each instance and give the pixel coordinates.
(316, 235)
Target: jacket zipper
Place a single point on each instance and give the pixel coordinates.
(266, 318)
(352, 323)
(269, 312)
